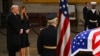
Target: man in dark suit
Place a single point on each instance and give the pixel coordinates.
(85, 11)
(93, 16)
(13, 31)
(47, 40)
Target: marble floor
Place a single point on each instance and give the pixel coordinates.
(33, 39)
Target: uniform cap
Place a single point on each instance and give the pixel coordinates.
(51, 17)
(93, 3)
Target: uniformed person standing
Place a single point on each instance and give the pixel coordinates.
(93, 16)
(85, 11)
(47, 40)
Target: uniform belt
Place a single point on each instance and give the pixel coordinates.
(49, 47)
(93, 21)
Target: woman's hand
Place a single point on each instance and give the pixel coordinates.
(27, 31)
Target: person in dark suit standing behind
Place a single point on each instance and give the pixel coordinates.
(47, 39)
(85, 11)
(13, 31)
(93, 16)
(25, 25)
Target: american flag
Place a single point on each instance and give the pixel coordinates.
(86, 41)
(63, 44)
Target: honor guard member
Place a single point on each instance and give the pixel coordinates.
(93, 16)
(85, 11)
(47, 39)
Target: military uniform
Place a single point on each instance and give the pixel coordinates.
(93, 18)
(47, 41)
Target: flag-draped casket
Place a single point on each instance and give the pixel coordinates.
(86, 41)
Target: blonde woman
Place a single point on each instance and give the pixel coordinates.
(25, 26)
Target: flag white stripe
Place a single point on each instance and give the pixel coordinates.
(96, 50)
(63, 43)
(65, 39)
(66, 35)
(60, 28)
(73, 54)
(97, 38)
(90, 38)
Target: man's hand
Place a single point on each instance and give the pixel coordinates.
(21, 31)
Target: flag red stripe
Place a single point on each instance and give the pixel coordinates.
(59, 43)
(67, 48)
(97, 54)
(95, 45)
(63, 46)
(63, 30)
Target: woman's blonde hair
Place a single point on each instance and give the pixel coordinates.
(21, 13)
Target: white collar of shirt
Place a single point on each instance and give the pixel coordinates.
(93, 10)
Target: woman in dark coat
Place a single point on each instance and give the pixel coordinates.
(25, 26)
(13, 31)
